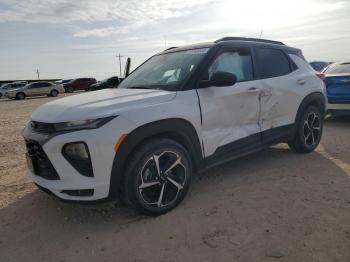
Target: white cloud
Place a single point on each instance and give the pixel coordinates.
(123, 15)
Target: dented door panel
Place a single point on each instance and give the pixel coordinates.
(229, 114)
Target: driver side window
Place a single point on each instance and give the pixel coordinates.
(234, 62)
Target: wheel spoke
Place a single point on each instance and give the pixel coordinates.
(307, 124)
(316, 128)
(156, 161)
(313, 138)
(160, 199)
(179, 187)
(307, 137)
(177, 162)
(150, 184)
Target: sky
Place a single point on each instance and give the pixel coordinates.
(81, 38)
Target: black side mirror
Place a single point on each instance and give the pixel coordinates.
(220, 79)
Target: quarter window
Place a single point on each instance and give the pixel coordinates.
(238, 63)
(272, 63)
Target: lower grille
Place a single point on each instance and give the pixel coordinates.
(38, 161)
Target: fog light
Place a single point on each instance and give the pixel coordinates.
(77, 154)
(77, 151)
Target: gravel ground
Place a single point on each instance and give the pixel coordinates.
(270, 206)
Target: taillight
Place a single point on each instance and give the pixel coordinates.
(321, 76)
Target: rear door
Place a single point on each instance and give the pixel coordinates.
(280, 98)
(231, 114)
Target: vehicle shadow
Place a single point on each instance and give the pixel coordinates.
(238, 199)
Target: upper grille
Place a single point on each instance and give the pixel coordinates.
(41, 164)
(45, 128)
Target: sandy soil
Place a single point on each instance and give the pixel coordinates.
(271, 206)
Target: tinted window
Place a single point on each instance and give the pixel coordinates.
(238, 63)
(272, 63)
(39, 85)
(338, 69)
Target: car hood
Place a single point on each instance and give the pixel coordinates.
(98, 104)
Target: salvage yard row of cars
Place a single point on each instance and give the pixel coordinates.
(22, 89)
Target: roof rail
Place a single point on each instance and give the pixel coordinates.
(170, 48)
(249, 39)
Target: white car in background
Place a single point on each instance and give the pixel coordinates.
(182, 111)
(9, 86)
(35, 89)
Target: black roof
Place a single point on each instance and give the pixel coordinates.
(234, 41)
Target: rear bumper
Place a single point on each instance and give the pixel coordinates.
(338, 107)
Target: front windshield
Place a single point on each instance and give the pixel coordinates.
(338, 69)
(165, 71)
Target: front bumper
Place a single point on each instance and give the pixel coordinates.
(10, 95)
(72, 185)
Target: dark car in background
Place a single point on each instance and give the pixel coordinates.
(319, 66)
(337, 79)
(79, 84)
(111, 82)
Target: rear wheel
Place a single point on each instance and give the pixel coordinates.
(158, 177)
(70, 90)
(309, 131)
(54, 93)
(20, 96)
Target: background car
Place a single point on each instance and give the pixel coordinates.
(111, 82)
(337, 79)
(35, 89)
(5, 88)
(79, 84)
(319, 66)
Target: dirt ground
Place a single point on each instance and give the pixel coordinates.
(271, 206)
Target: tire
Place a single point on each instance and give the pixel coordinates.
(54, 93)
(152, 192)
(70, 90)
(309, 131)
(20, 96)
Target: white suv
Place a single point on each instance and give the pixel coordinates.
(182, 111)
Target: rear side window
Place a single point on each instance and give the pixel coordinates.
(272, 63)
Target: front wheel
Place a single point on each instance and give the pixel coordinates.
(309, 131)
(158, 177)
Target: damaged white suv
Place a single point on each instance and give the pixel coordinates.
(182, 111)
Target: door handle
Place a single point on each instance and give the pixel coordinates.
(253, 90)
(301, 82)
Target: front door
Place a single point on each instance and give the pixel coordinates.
(231, 114)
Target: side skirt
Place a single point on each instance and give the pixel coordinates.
(250, 144)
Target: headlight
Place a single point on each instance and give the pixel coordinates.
(84, 124)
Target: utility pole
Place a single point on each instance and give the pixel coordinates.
(261, 33)
(38, 73)
(120, 64)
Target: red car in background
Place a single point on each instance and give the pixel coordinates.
(79, 84)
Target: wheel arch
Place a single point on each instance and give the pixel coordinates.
(316, 99)
(179, 130)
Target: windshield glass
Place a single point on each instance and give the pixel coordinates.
(338, 69)
(165, 71)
